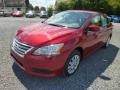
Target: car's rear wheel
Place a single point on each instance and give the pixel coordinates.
(72, 63)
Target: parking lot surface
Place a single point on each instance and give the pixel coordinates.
(100, 71)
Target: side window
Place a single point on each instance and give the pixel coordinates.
(104, 20)
(108, 20)
(96, 20)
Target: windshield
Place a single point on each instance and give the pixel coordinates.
(68, 19)
(30, 12)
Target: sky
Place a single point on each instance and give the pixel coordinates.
(45, 3)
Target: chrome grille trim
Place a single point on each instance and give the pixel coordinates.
(20, 48)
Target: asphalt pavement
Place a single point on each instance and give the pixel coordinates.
(99, 71)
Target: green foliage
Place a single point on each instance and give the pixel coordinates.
(36, 9)
(115, 4)
(105, 6)
(62, 6)
(30, 7)
(50, 11)
(27, 4)
(42, 9)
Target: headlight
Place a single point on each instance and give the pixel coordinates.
(49, 50)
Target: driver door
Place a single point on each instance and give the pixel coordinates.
(92, 38)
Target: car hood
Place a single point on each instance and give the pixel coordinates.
(40, 33)
(29, 13)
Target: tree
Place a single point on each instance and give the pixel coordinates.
(36, 9)
(115, 4)
(105, 6)
(62, 6)
(77, 4)
(27, 4)
(72, 4)
(42, 9)
(30, 7)
(50, 11)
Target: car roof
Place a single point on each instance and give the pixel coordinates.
(85, 11)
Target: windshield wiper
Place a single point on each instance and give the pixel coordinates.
(56, 25)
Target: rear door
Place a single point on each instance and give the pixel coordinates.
(107, 28)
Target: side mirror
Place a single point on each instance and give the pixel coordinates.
(110, 24)
(94, 28)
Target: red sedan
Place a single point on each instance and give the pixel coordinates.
(17, 14)
(57, 45)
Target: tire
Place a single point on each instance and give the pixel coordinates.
(107, 42)
(72, 63)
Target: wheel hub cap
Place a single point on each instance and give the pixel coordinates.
(73, 64)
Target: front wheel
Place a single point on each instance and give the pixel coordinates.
(72, 63)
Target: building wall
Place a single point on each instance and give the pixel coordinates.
(1, 5)
(13, 4)
(19, 3)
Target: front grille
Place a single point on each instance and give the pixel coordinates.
(20, 48)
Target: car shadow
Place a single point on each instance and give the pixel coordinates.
(90, 69)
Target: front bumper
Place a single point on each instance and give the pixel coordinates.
(41, 65)
(30, 16)
(15, 15)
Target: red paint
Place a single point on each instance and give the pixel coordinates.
(39, 35)
(17, 13)
(94, 28)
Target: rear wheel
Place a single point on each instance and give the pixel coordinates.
(72, 63)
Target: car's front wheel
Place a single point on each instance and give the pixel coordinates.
(72, 63)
